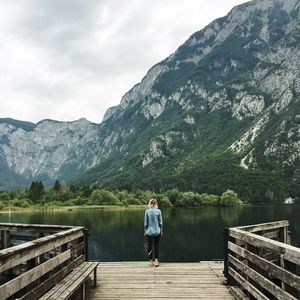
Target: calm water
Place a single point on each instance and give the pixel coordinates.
(189, 234)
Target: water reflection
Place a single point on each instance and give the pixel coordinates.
(189, 234)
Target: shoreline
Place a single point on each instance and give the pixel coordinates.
(10, 210)
(69, 208)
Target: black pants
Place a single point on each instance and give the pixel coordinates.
(153, 243)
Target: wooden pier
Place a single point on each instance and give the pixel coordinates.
(36, 258)
(260, 262)
(136, 280)
(51, 262)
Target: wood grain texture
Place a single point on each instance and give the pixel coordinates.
(260, 260)
(261, 280)
(68, 285)
(18, 283)
(48, 254)
(272, 269)
(289, 252)
(136, 280)
(264, 226)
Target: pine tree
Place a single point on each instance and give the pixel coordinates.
(56, 186)
(36, 191)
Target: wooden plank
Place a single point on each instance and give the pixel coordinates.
(290, 253)
(16, 284)
(78, 249)
(66, 280)
(57, 290)
(80, 280)
(148, 292)
(68, 286)
(272, 269)
(261, 280)
(25, 253)
(40, 241)
(137, 280)
(257, 294)
(264, 226)
(238, 293)
(160, 295)
(46, 285)
(271, 235)
(157, 297)
(34, 227)
(216, 287)
(20, 237)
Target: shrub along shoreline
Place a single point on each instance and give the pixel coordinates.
(38, 198)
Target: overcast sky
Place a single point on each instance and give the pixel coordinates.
(68, 59)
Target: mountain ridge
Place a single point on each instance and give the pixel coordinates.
(229, 96)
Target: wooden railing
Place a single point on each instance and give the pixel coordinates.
(33, 258)
(260, 263)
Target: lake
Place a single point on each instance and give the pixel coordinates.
(190, 235)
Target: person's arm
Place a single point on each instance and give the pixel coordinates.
(146, 222)
(160, 222)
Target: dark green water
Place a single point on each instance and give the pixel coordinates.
(189, 234)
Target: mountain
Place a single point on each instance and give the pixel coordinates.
(221, 112)
(45, 151)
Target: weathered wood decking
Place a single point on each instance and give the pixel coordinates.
(258, 263)
(33, 258)
(136, 280)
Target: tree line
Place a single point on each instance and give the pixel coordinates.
(62, 195)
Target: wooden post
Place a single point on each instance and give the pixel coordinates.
(32, 263)
(282, 266)
(86, 244)
(40, 258)
(95, 277)
(283, 235)
(225, 272)
(27, 268)
(83, 291)
(5, 239)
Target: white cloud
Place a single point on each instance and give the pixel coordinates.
(67, 59)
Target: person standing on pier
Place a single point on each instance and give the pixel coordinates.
(153, 224)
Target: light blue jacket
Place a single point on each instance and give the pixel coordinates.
(153, 222)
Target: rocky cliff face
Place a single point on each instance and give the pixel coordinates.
(47, 150)
(225, 88)
(231, 89)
